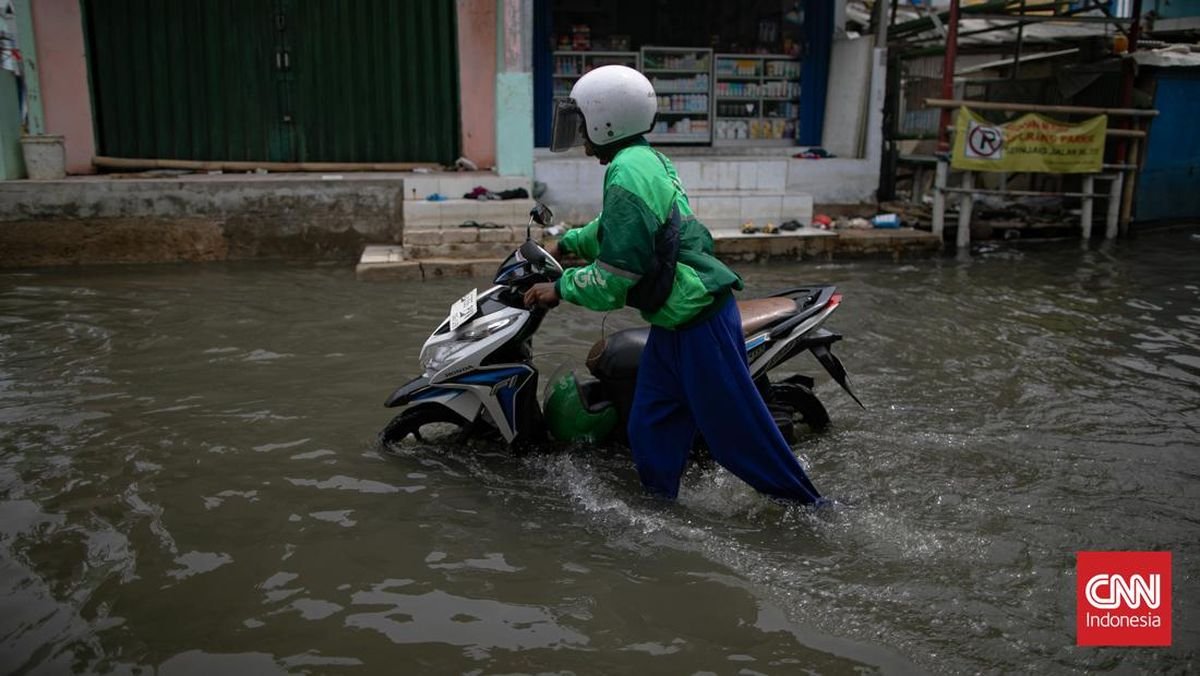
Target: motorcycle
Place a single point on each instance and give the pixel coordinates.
(478, 371)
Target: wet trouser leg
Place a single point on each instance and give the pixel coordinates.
(661, 429)
(698, 378)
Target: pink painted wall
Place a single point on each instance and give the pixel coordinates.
(62, 65)
(477, 79)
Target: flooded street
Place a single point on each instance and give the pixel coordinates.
(189, 481)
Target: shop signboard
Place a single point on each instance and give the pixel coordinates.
(1031, 142)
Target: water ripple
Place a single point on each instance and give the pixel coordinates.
(184, 488)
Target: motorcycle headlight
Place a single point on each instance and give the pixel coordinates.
(437, 356)
(479, 332)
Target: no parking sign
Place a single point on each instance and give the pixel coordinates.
(1029, 143)
(984, 141)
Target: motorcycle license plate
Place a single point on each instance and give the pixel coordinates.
(462, 310)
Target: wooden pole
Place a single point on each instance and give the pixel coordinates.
(1118, 133)
(965, 206)
(200, 165)
(1128, 68)
(1114, 205)
(1016, 68)
(1033, 108)
(1085, 213)
(1127, 190)
(948, 75)
(939, 197)
(1030, 193)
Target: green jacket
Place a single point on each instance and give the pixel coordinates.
(640, 187)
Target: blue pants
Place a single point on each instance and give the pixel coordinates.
(698, 379)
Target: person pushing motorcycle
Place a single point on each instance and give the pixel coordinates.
(648, 251)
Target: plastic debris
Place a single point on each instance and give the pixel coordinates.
(886, 221)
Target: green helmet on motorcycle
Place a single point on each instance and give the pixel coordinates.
(569, 415)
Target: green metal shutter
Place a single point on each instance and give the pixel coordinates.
(275, 80)
(182, 80)
(376, 80)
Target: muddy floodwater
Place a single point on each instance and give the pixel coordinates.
(190, 482)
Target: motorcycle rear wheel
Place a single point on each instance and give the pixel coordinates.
(803, 402)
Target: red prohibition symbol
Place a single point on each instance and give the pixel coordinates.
(985, 141)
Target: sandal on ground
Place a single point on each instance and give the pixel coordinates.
(748, 228)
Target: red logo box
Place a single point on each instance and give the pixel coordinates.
(1123, 598)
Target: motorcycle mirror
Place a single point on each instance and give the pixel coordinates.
(532, 253)
(541, 215)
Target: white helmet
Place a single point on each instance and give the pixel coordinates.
(608, 104)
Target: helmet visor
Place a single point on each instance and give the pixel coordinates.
(567, 128)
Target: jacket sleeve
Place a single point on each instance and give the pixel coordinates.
(583, 242)
(625, 237)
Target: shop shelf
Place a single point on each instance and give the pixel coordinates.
(691, 74)
(774, 71)
(570, 66)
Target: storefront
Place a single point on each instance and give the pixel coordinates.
(730, 75)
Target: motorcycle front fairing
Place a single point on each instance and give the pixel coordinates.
(464, 369)
(482, 366)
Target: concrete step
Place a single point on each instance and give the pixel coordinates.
(387, 262)
(728, 208)
(732, 173)
(811, 243)
(722, 234)
(731, 244)
(505, 235)
(397, 268)
(426, 215)
(420, 246)
(454, 185)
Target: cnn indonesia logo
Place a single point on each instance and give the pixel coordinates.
(1123, 598)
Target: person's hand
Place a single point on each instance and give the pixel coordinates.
(565, 257)
(544, 295)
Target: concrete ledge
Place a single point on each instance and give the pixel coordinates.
(455, 185)
(111, 240)
(825, 244)
(466, 251)
(106, 219)
(383, 254)
(426, 215)
(401, 271)
(889, 243)
(391, 263)
(431, 268)
(484, 237)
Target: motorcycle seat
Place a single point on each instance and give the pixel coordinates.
(617, 356)
(759, 313)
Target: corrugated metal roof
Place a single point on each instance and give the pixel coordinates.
(1040, 32)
